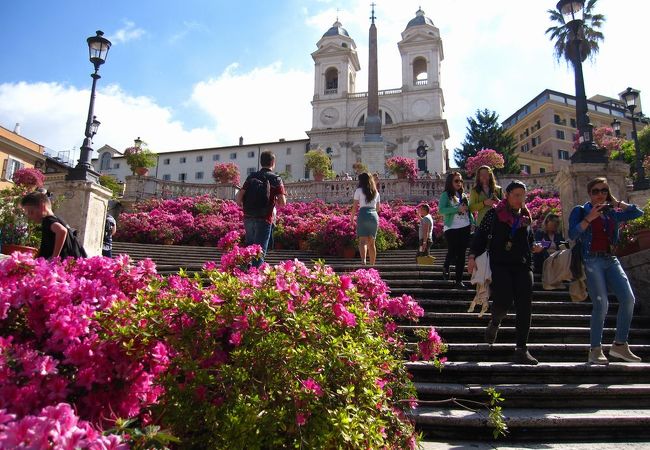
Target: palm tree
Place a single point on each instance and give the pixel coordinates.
(590, 36)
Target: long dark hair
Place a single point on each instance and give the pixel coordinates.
(449, 184)
(367, 185)
(492, 181)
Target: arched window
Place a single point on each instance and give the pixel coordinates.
(388, 120)
(105, 163)
(420, 74)
(331, 80)
(362, 121)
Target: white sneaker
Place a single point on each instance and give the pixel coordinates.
(596, 356)
(622, 351)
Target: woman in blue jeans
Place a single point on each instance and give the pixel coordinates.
(595, 224)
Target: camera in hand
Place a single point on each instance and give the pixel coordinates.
(606, 208)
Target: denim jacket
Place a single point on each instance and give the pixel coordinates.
(580, 212)
(447, 208)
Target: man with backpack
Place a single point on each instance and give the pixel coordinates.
(261, 193)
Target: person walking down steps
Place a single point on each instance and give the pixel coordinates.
(506, 234)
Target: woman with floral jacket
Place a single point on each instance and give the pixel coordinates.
(595, 225)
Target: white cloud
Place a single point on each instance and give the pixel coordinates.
(54, 115)
(128, 32)
(262, 105)
(187, 28)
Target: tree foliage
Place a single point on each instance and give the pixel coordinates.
(562, 35)
(485, 131)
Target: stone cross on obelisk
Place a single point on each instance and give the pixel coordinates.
(373, 148)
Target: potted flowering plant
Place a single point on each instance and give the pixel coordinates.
(16, 232)
(637, 230)
(402, 167)
(359, 167)
(226, 173)
(485, 157)
(140, 159)
(319, 163)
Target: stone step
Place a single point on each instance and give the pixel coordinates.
(488, 372)
(535, 424)
(546, 320)
(431, 292)
(459, 305)
(554, 335)
(532, 395)
(544, 352)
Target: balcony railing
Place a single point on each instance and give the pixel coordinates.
(142, 188)
(384, 92)
(331, 91)
(421, 82)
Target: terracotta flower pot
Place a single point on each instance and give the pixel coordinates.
(142, 171)
(643, 238)
(303, 245)
(319, 177)
(8, 249)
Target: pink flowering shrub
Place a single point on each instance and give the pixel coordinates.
(226, 173)
(401, 166)
(606, 138)
(52, 347)
(540, 203)
(276, 357)
(229, 241)
(485, 157)
(54, 427)
(32, 178)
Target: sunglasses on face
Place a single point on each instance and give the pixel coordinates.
(458, 181)
(600, 191)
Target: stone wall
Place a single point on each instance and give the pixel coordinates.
(637, 267)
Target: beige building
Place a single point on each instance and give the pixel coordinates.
(18, 152)
(545, 126)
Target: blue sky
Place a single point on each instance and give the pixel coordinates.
(200, 73)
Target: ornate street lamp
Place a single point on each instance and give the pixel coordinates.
(98, 47)
(587, 151)
(630, 97)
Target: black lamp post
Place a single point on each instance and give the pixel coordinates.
(98, 47)
(630, 97)
(587, 151)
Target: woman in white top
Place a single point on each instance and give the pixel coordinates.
(366, 202)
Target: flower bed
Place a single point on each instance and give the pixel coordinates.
(276, 358)
(540, 203)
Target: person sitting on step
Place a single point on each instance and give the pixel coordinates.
(505, 232)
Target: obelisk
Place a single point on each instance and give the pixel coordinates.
(373, 148)
(372, 129)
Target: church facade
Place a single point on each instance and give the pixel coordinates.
(412, 116)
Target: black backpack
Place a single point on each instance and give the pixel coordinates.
(72, 247)
(257, 198)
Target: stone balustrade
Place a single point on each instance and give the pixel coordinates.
(142, 188)
(342, 191)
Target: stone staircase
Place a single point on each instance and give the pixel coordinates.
(561, 399)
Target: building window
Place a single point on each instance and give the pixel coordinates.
(105, 162)
(542, 170)
(12, 166)
(288, 151)
(183, 160)
(306, 173)
(536, 141)
(525, 168)
(525, 147)
(182, 176)
(563, 154)
(526, 134)
(251, 155)
(198, 176)
(116, 166)
(573, 123)
(250, 170)
(287, 168)
(331, 80)
(329, 151)
(215, 157)
(557, 119)
(199, 158)
(389, 119)
(559, 134)
(233, 156)
(167, 177)
(166, 161)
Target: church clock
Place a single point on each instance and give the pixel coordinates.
(329, 116)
